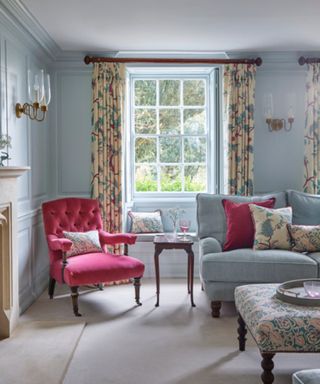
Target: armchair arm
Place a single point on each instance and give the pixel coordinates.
(107, 238)
(210, 245)
(59, 244)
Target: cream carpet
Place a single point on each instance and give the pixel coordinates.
(172, 344)
(38, 352)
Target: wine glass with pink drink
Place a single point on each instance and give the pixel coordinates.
(184, 227)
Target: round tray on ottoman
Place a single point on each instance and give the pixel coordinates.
(293, 292)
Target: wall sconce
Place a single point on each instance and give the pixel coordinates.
(39, 93)
(277, 124)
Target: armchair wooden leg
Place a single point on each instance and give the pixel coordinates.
(51, 286)
(215, 307)
(137, 284)
(74, 297)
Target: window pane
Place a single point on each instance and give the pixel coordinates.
(145, 121)
(194, 121)
(193, 92)
(169, 121)
(195, 178)
(169, 92)
(146, 178)
(146, 150)
(145, 92)
(170, 179)
(170, 150)
(194, 150)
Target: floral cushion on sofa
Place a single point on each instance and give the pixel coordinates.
(305, 238)
(275, 325)
(271, 230)
(83, 242)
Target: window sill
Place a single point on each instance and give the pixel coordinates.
(165, 199)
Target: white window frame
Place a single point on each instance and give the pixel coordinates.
(214, 142)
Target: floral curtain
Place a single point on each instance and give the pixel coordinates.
(239, 97)
(108, 87)
(312, 131)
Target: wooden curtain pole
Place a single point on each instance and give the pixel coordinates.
(92, 59)
(308, 60)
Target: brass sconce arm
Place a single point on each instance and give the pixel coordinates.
(278, 124)
(33, 111)
(39, 95)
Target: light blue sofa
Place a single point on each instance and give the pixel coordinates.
(221, 272)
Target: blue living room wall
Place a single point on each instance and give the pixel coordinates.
(58, 150)
(30, 147)
(278, 155)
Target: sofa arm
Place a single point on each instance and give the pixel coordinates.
(209, 245)
(107, 238)
(59, 243)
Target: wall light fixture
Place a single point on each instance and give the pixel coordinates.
(276, 124)
(39, 94)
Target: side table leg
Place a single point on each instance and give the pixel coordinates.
(156, 266)
(191, 269)
(242, 331)
(267, 366)
(189, 273)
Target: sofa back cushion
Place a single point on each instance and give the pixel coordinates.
(211, 217)
(305, 208)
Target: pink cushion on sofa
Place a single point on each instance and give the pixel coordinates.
(240, 228)
(93, 268)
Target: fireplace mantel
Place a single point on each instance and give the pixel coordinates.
(9, 267)
(9, 172)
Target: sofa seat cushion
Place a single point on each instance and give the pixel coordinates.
(307, 376)
(94, 268)
(251, 266)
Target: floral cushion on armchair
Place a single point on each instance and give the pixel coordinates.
(83, 242)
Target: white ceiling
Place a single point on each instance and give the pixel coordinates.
(192, 25)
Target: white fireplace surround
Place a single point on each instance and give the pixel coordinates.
(9, 272)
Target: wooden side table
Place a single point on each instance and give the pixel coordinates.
(162, 242)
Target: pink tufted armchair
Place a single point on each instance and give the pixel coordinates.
(82, 215)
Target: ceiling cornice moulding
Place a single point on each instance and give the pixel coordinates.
(23, 20)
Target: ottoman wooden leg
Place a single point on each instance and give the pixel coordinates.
(242, 331)
(267, 366)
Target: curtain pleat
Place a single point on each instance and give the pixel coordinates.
(312, 131)
(239, 99)
(108, 90)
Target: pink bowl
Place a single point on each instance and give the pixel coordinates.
(312, 288)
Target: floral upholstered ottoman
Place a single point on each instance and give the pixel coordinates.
(276, 326)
